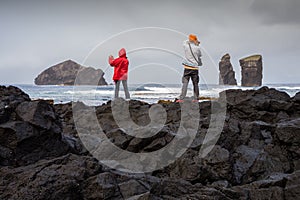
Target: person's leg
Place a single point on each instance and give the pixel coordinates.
(195, 80)
(127, 95)
(117, 88)
(185, 83)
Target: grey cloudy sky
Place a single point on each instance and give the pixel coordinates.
(39, 34)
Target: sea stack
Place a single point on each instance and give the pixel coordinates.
(251, 71)
(227, 74)
(70, 73)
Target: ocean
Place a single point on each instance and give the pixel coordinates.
(150, 93)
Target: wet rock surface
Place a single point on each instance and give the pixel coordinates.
(256, 156)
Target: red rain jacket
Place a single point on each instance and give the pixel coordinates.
(121, 66)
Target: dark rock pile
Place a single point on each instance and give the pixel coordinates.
(256, 156)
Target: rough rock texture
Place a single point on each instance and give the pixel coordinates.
(70, 73)
(256, 156)
(227, 74)
(29, 130)
(252, 68)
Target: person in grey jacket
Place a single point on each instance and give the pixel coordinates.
(191, 65)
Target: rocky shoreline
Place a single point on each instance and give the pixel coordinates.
(256, 156)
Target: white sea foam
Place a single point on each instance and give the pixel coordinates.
(92, 95)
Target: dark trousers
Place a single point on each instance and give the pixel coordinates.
(187, 75)
(117, 88)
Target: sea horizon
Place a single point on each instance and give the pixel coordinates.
(150, 93)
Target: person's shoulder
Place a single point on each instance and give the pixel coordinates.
(124, 59)
(185, 42)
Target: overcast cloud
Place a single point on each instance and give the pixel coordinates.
(39, 34)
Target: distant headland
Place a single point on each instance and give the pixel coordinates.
(65, 73)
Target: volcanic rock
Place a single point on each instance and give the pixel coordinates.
(70, 73)
(58, 178)
(252, 71)
(256, 157)
(227, 74)
(30, 131)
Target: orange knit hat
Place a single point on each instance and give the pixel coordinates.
(193, 38)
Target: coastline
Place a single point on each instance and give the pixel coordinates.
(150, 93)
(256, 156)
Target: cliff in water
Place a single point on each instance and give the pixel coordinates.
(252, 68)
(70, 73)
(227, 74)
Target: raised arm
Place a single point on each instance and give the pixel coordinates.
(111, 60)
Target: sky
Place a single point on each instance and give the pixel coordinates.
(35, 35)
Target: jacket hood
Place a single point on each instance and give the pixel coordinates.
(122, 53)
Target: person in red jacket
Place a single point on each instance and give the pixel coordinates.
(120, 65)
